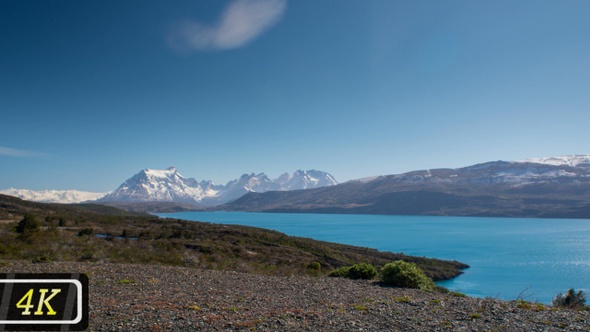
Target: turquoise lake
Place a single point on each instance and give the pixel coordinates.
(509, 257)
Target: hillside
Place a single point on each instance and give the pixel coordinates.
(498, 189)
(98, 233)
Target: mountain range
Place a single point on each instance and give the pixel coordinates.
(168, 185)
(53, 196)
(542, 187)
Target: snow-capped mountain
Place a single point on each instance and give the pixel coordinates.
(53, 196)
(306, 180)
(515, 173)
(167, 185)
(556, 187)
(170, 186)
(245, 184)
(571, 160)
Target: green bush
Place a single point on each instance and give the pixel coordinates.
(570, 300)
(408, 275)
(357, 271)
(341, 272)
(28, 225)
(315, 266)
(362, 271)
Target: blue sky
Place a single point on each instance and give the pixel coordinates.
(93, 91)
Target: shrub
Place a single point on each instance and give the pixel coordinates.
(315, 266)
(570, 300)
(408, 275)
(28, 225)
(357, 271)
(341, 272)
(362, 271)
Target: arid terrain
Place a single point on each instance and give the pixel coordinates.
(127, 297)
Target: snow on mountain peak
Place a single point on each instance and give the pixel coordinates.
(307, 179)
(53, 196)
(168, 172)
(568, 160)
(169, 186)
(151, 185)
(517, 173)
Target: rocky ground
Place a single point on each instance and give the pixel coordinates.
(127, 297)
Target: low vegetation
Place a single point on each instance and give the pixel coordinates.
(357, 271)
(405, 274)
(398, 274)
(95, 233)
(571, 300)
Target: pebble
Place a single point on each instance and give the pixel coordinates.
(164, 298)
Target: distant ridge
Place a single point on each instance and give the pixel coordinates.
(151, 185)
(53, 196)
(556, 187)
(571, 160)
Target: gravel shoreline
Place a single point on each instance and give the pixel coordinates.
(127, 297)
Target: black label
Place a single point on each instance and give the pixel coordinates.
(43, 302)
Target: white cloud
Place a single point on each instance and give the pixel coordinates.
(4, 151)
(241, 22)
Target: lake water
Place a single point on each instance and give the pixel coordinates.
(509, 257)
